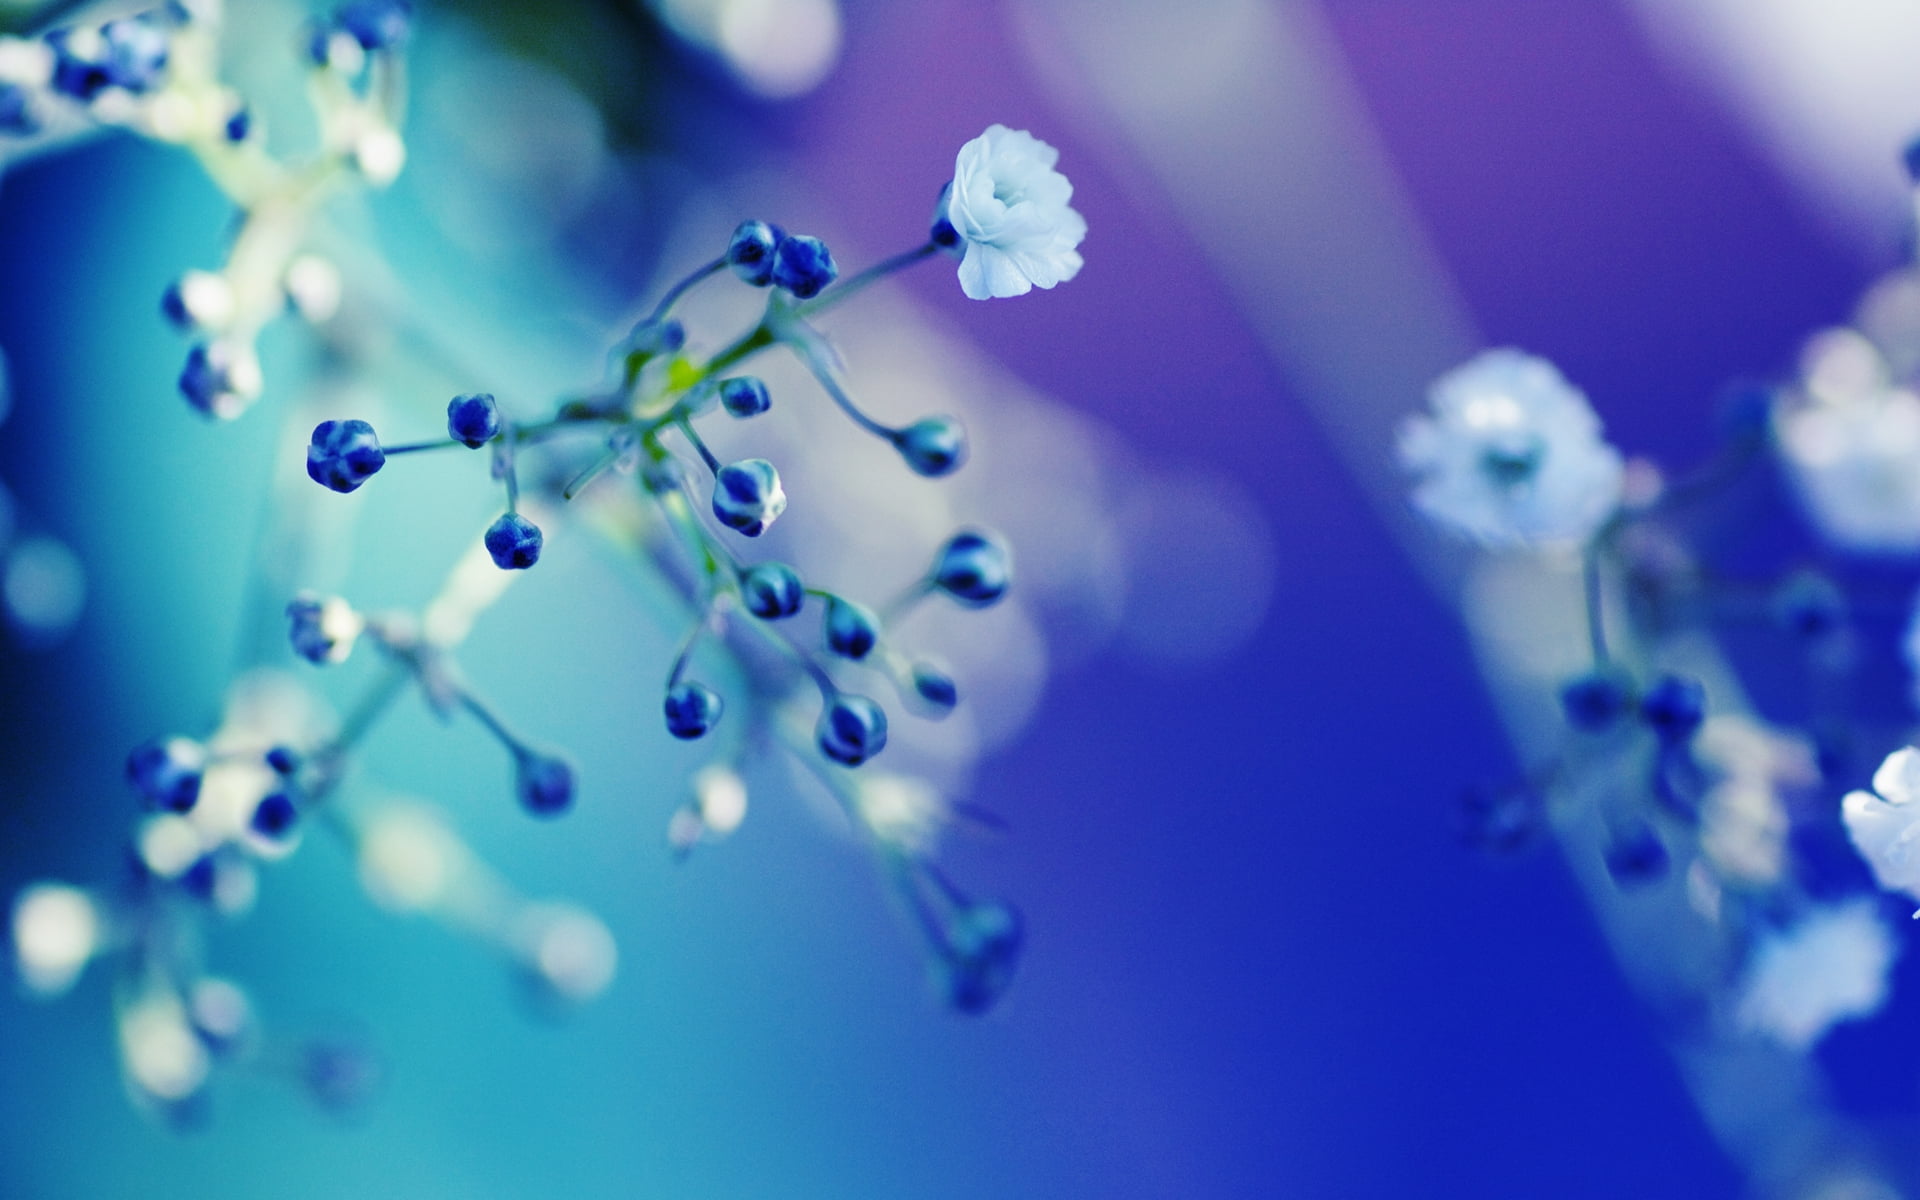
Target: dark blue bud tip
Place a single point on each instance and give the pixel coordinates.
(852, 730)
(982, 951)
(344, 454)
(771, 591)
(1501, 819)
(747, 496)
(514, 542)
(933, 447)
(1595, 702)
(283, 760)
(307, 630)
(751, 249)
(275, 816)
(474, 420)
(173, 306)
(744, 396)
(239, 125)
(543, 782)
(376, 24)
(803, 266)
(936, 687)
(1674, 707)
(1810, 606)
(940, 230)
(340, 1074)
(1636, 856)
(166, 772)
(974, 567)
(851, 629)
(1910, 159)
(16, 114)
(692, 710)
(200, 879)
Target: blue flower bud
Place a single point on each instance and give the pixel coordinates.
(376, 24)
(745, 396)
(322, 629)
(747, 496)
(1910, 159)
(166, 772)
(474, 420)
(974, 567)
(933, 447)
(651, 339)
(1674, 707)
(544, 783)
(340, 1074)
(771, 590)
(136, 53)
(275, 816)
(1810, 606)
(220, 380)
(852, 730)
(851, 629)
(692, 709)
(751, 249)
(283, 760)
(803, 266)
(941, 230)
(936, 687)
(514, 542)
(73, 75)
(239, 125)
(1596, 701)
(983, 948)
(1636, 856)
(344, 454)
(16, 111)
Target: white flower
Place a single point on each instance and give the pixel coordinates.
(1743, 818)
(1830, 966)
(1009, 207)
(1851, 443)
(1512, 455)
(1886, 827)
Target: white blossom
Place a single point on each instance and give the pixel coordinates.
(1886, 826)
(1850, 439)
(1512, 454)
(1009, 207)
(1829, 966)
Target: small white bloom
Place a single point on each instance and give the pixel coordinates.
(56, 932)
(1830, 966)
(1851, 443)
(1743, 817)
(1512, 455)
(1886, 827)
(1009, 207)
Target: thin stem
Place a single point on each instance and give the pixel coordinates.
(832, 388)
(413, 447)
(1596, 617)
(684, 286)
(686, 427)
(590, 474)
(492, 721)
(857, 283)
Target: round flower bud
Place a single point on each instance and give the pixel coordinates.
(1674, 707)
(747, 496)
(974, 567)
(744, 396)
(474, 420)
(692, 710)
(323, 629)
(803, 266)
(376, 24)
(771, 590)
(221, 378)
(199, 300)
(544, 783)
(750, 251)
(344, 454)
(166, 771)
(933, 447)
(936, 687)
(851, 629)
(1636, 856)
(983, 948)
(1595, 702)
(136, 53)
(238, 126)
(852, 730)
(275, 816)
(650, 339)
(514, 542)
(283, 760)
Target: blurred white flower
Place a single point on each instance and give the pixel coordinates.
(1885, 827)
(1851, 443)
(1743, 817)
(1009, 207)
(1830, 966)
(1512, 455)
